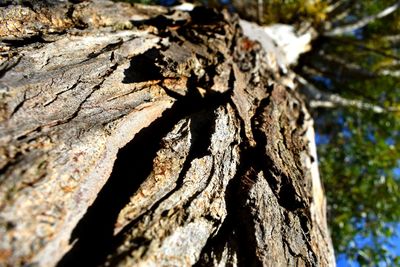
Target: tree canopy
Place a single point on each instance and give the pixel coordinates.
(359, 138)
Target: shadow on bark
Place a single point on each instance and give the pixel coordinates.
(237, 232)
(143, 68)
(201, 126)
(94, 232)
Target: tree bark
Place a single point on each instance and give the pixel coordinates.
(147, 136)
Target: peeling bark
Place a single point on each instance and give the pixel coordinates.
(146, 136)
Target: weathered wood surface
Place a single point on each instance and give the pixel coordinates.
(147, 136)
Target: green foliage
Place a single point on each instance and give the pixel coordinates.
(360, 149)
(289, 11)
(357, 163)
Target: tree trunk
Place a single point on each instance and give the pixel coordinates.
(138, 135)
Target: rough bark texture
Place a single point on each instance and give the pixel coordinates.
(146, 136)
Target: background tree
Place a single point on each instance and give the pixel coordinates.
(359, 148)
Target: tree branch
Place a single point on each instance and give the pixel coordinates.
(352, 69)
(392, 73)
(260, 11)
(364, 47)
(319, 99)
(362, 22)
(392, 38)
(339, 9)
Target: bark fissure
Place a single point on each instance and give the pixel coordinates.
(202, 124)
(94, 232)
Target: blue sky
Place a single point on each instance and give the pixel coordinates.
(343, 261)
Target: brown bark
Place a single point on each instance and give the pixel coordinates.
(133, 135)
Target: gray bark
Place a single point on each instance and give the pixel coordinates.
(143, 136)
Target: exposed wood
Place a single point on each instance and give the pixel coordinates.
(143, 136)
